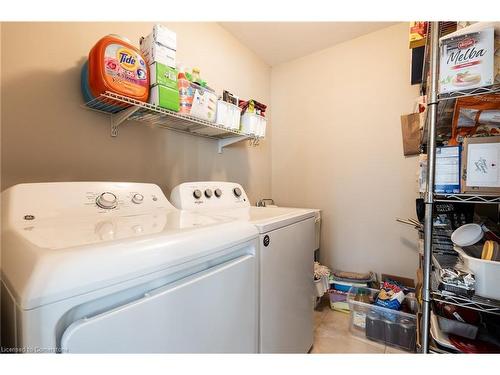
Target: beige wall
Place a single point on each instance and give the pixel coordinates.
(337, 146)
(51, 138)
(336, 141)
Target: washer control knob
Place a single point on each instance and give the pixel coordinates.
(218, 193)
(137, 198)
(107, 200)
(208, 193)
(197, 194)
(237, 191)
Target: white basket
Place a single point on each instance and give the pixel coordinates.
(252, 123)
(486, 273)
(228, 115)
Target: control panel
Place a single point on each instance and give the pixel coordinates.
(209, 195)
(30, 202)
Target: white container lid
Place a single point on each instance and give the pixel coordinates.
(467, 235)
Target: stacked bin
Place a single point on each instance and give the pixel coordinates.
(390, 327)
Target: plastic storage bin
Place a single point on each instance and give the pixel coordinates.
(228, 115)
(486, 272)
(390, 327)
(252, 123)
(338, 300)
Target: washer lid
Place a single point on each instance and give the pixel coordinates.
(268, 218)
(57, 243)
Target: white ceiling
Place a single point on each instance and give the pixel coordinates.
(277, 42)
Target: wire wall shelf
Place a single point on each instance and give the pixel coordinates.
(121, 108)
(471, 92)
(466, 198)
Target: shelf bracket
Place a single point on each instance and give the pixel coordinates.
(118, 118)
(221, 143)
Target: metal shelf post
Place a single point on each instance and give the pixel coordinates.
(429, 195)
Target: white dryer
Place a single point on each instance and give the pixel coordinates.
(105, 267)
(286, 258)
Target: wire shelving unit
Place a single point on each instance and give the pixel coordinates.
(430, 291)
(121, 108)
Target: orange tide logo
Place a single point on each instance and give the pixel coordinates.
(127, 58)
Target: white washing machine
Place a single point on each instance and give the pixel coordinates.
(99, 267)
(286, 254)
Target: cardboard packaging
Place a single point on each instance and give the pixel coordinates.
(161, 74)
(156, 52)
(164, 36)
(204, 104)
(418, 33)
(467, 59)
(480, 165)
(447, 175)
(164, 97)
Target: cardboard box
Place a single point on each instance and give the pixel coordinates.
(418, 33)
(164, 97)
(204, 104)
(480, 165)
(447, 175)
(410, 283)
(161, 74)
(466, 59)
(164, 36)
(156, 52)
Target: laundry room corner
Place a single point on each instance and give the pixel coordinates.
(198, 182)
(336, 122)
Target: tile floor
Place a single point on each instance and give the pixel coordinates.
(331, 335)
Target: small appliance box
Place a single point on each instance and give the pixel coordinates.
(447, 174)
(480, 165)
(164, 97)
(467, 59)
(161, 74)
(156, 52)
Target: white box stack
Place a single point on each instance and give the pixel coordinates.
(160, 46)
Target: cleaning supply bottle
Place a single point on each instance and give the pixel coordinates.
(196, 75)
(185, 92)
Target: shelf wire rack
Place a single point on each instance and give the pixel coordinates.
(492, 89)
(467, 198)
(477, 303)
(122, 108)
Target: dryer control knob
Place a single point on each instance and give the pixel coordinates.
(237, 191)
(197, 194)
(218, 193)
(208, 193)
(107, 200)
(137, 198)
